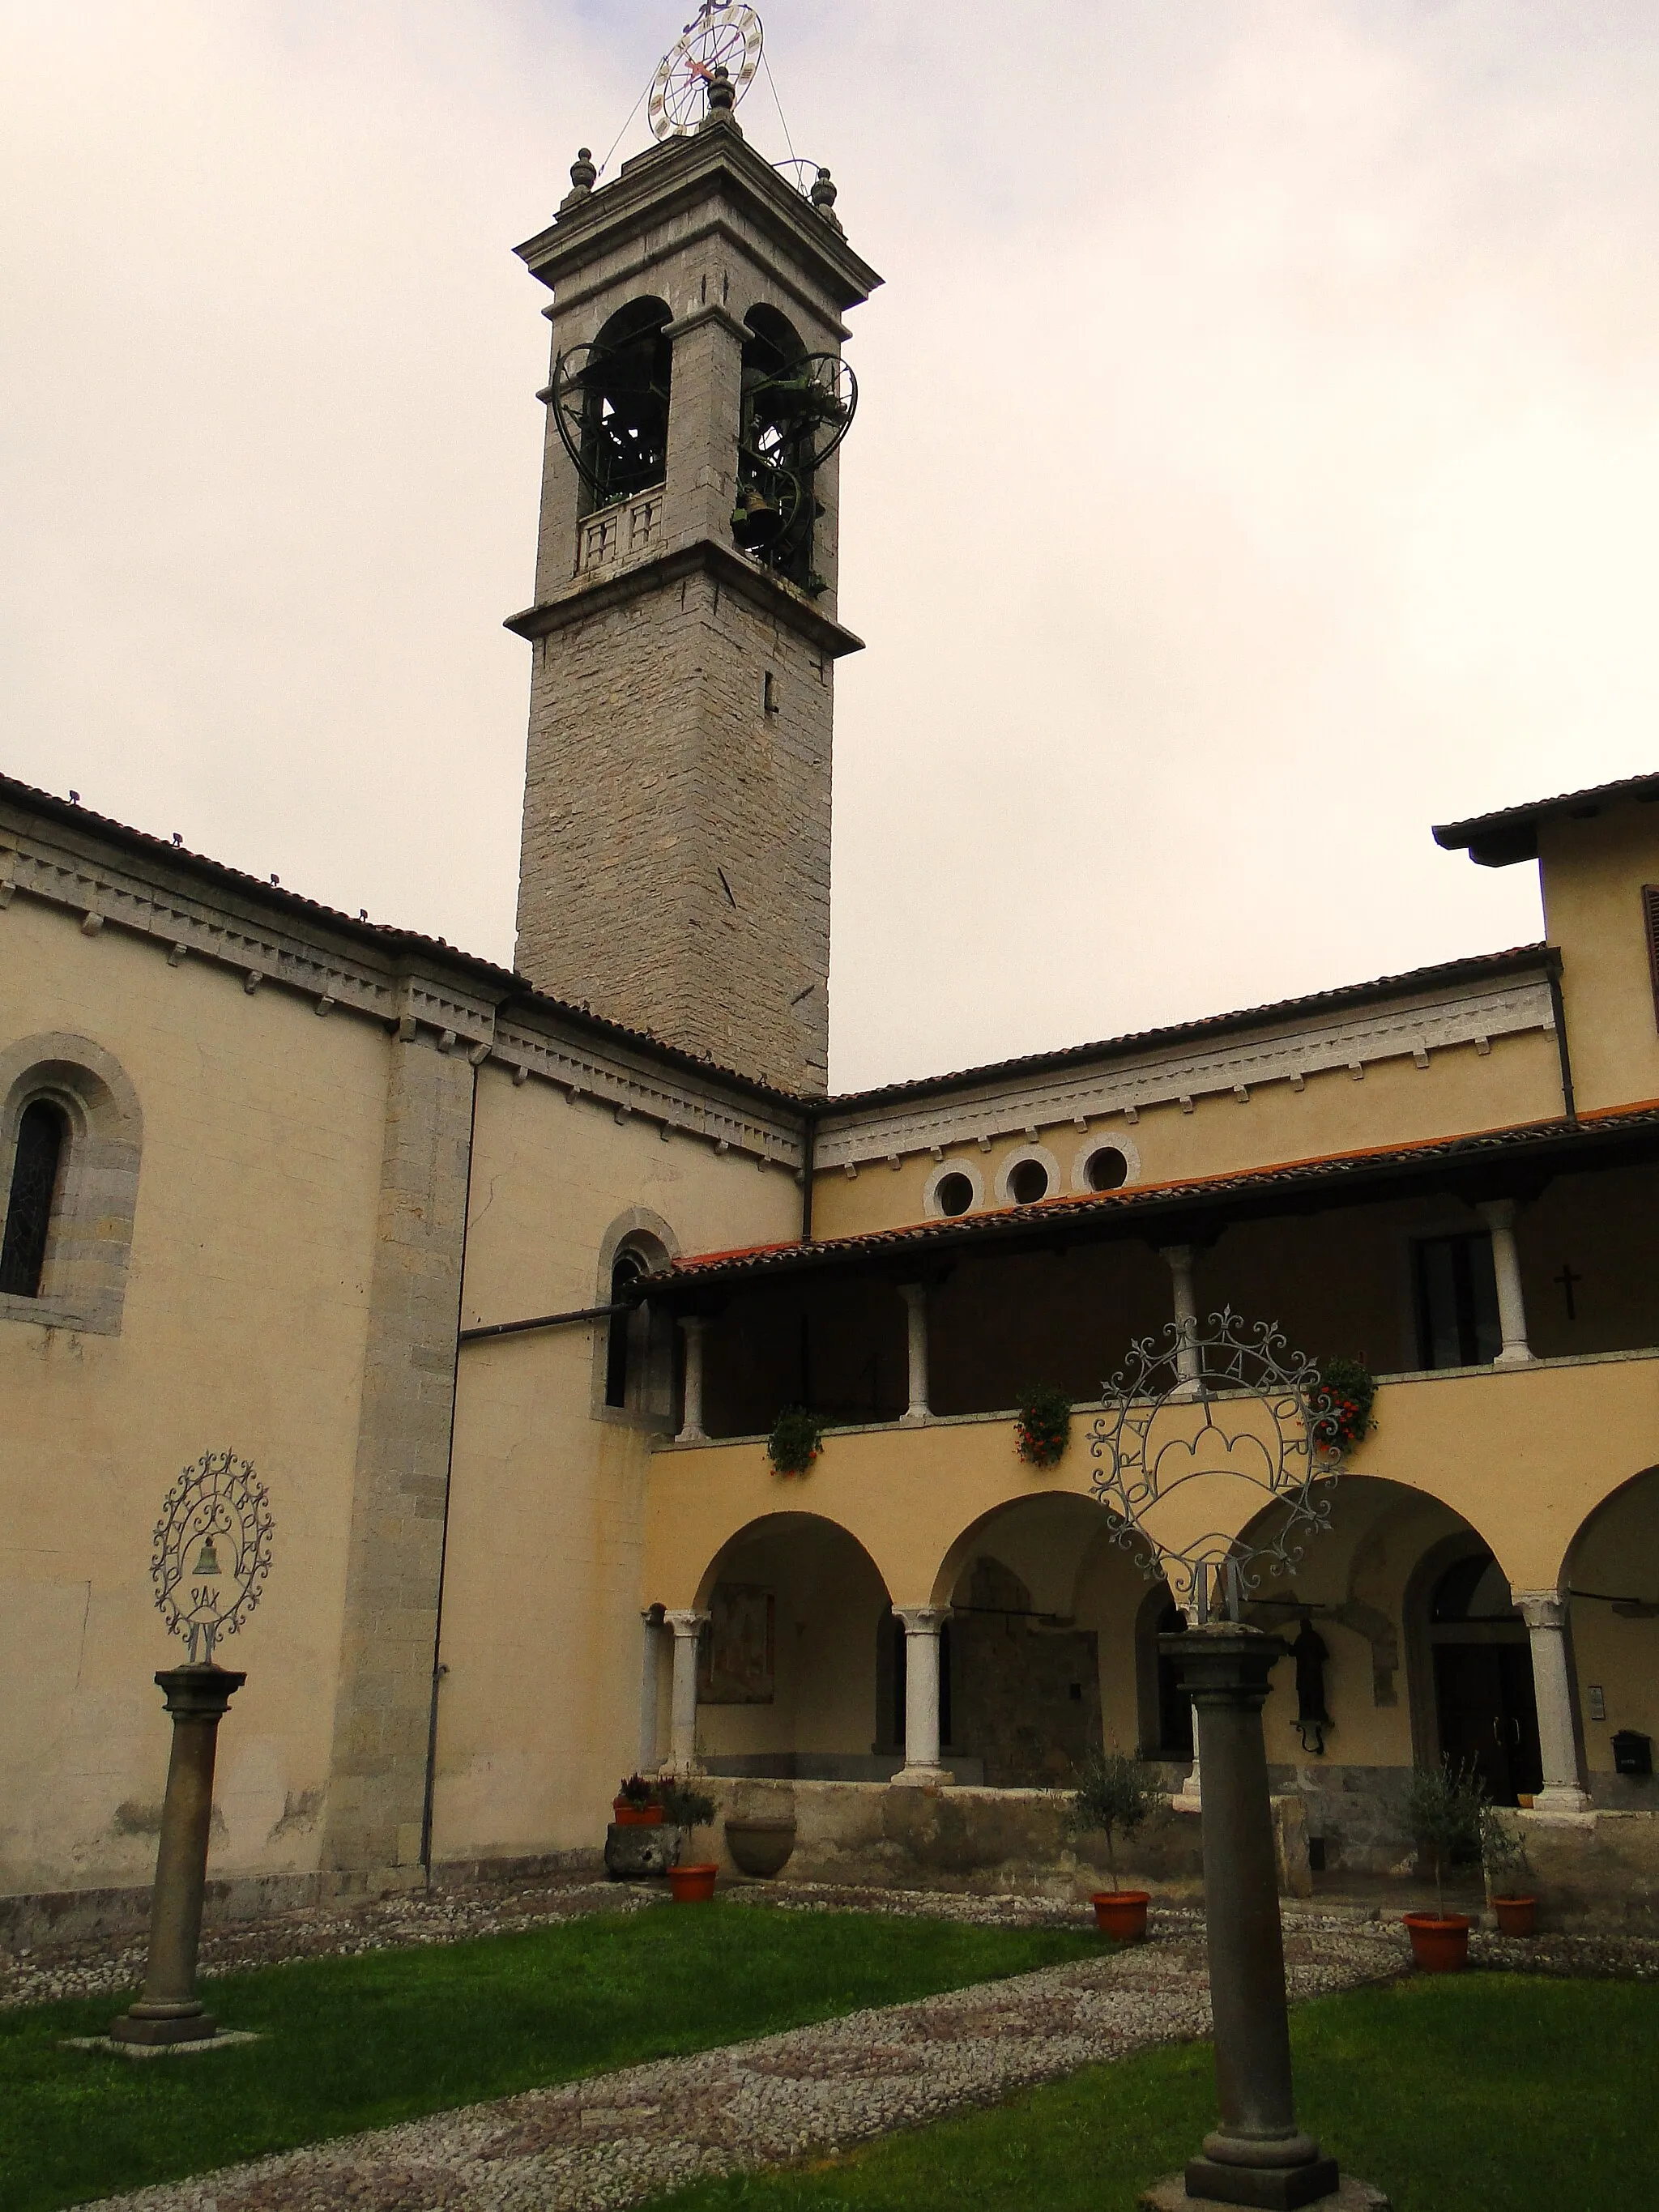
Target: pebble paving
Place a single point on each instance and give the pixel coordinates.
(614, 2140)
(620, 2137)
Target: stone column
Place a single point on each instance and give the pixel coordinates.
(683, 1707)
(921, 1768)
(1546, 1615)
(652, 1623)
(692, 1429)
(169, 2011)
(1257, 2155)
(702, 423)
(1498, 1214)
(1179, 1259)
(914, 1295)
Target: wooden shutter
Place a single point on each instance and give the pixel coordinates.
(1650, 931)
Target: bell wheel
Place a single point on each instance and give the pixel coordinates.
(727, 38)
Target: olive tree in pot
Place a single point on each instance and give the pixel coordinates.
(1447, 1808)
(1113, 1798)
(1508, 1885)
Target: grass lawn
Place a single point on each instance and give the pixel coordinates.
(359, 2043)
(1475, 2092)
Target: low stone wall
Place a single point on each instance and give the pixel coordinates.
(73, 1916)
(1593, 1869)
(869, 1835)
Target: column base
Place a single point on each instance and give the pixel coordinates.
(1347, 2195)
(1561, 1797)
(165, 2027)
(1515, 1355)
(914, 1416)
(1188, 1799)
(922, 1777)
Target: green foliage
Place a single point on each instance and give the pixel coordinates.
(1502, 1853)
(1347, 1393)
(683, 1807)
(1043, 1428)
(388, 2035)
(797, 1439)
(1449, 2092)
(1449, 1812)
(1114, 1795)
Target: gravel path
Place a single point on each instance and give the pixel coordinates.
(614, 2140)
(100, 1967)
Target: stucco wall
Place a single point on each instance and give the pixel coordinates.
(1593, 873)
(538, 1712)
(254, 1229)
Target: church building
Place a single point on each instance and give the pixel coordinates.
(500, 1280)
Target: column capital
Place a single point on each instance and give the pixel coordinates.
(922, 1620)
(1176, 1256)
(1497, 1212)
(686, 1623)
(914, 1294)
(1542, 1609)
(693, 1324)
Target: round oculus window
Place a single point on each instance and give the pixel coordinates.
(1106, 1170)
(953, 1193)
(1028, 1182)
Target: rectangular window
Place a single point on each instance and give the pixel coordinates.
(1457, 1301)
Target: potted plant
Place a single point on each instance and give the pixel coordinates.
(795, 1442)
(1113, 1797)
(1342, 1405)
(637, 1803)
(1446, 1805)
(686, 1808)
(1042, 1428)
(1504, 1856)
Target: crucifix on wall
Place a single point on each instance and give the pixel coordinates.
(1567, 1278)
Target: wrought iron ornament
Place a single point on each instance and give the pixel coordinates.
(728, 38)
(1193, 1418)
(211, 1551)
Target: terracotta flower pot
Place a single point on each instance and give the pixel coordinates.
(692, 1885)
(636, 1816)
(1440, 1942)
(1515, 1915)
(1121, 1913)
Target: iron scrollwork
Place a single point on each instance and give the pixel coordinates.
(211, 1551)
(1226, 1405)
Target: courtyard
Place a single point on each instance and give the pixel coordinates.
(578, 2045)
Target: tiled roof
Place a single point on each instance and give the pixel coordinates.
(1474, 967)
(511, 987)
(1497, 840)
(1331, 1179)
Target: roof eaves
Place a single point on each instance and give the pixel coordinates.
(1500, 839)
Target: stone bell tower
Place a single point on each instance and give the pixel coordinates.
(675, 866)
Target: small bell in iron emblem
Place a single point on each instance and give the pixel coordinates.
(206, 1562)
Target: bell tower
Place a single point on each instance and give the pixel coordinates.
(675, 865)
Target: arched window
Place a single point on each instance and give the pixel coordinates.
(36, 1178)
(612, 398)
(626, 1270)
(778, 433)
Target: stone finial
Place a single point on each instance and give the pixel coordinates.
(583, 176)
(722, 98)
(822, 196)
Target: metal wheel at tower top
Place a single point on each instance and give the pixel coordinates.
(728, 38)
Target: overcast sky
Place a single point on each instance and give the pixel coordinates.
(1258, 461)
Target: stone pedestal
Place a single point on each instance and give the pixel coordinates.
(635, 1854)
(1169, 2195)
(1257, 2155)
(169, 2010)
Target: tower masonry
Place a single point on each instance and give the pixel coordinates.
(675, 865)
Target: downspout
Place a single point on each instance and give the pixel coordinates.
(808, 1145)
(1558, 1008)
(438, 1670)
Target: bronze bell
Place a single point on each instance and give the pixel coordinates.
(207, 1561)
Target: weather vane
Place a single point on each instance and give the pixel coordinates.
(211, 1551)
(728, 38)
(1217, 1450)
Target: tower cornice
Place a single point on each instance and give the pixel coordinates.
(676, 176)
(706, 556)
